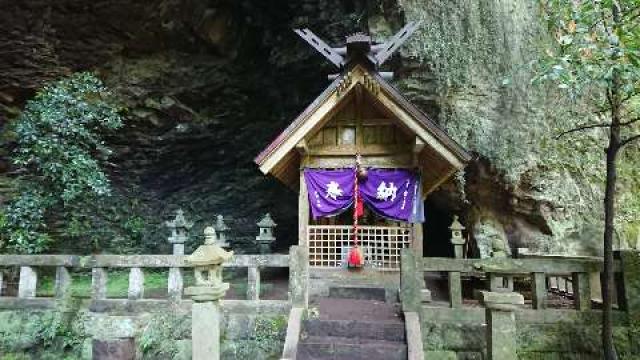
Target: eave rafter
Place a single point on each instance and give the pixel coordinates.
(429, 138)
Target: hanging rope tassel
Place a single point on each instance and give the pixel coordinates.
(355, 258)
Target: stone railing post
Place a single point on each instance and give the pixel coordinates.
(581, 291)
(99, 277)
(253, 283)
(562, 284)
(455, 289)
(298, 276)
(569, 283)
(206, 314)
(175, 284)
(28, 282)
(136, 284)
(63, 282)
(412, 288)
(501, 323)
(539, 290)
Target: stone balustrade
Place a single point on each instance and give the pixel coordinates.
(496, 307)
(570, 274)
(100, 265)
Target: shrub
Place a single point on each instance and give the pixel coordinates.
(60, 154)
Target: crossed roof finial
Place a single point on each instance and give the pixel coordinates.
(359, 45)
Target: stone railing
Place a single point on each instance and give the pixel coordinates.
(545, 274)
(498, 320)
(100, 265)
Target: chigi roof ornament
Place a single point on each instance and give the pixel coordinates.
(359, 47)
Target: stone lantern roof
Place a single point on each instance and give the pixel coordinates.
(209, 253)
(267, 222)
(456, 225)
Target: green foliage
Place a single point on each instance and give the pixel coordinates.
(15, 356)
(24, 222)
(55, 330)
(50, 334)
(158, 338)
(60, 152)
(590, 46)
(270, 333)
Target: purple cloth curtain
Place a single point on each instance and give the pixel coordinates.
(391, 193)
(330, 191)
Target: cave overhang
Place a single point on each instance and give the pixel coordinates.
(437, 155)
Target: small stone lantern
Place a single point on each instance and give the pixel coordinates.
(221, 230)
(266, 238)
(179, 227)
(456, 237)
(206, 314)
(207, 262)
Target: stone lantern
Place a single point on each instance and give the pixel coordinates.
(266, 238)
(456, 237)
(179, 227)
(221, 230)
(207, 261)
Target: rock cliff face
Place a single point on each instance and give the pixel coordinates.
(207, 84)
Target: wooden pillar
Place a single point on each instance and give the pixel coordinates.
(303, 212)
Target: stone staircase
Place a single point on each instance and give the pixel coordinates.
(354, 323)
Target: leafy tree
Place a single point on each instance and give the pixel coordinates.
(60, 153)
(597, 60)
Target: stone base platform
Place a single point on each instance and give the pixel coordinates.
(322, 280)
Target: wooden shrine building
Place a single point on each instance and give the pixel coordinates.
(360, 113)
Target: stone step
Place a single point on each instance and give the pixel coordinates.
(344, 348)
(373, 330)
(361, 310)
(358, 293)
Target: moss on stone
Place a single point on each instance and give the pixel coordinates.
(56, 333)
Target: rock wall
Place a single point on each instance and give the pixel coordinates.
(207, 84)
(470, 65)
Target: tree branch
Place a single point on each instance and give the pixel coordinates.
(632, 121)
(581, 128)
(627, 141)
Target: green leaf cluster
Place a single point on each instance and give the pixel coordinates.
(592, 41)
(60, 154)
(590, 46)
